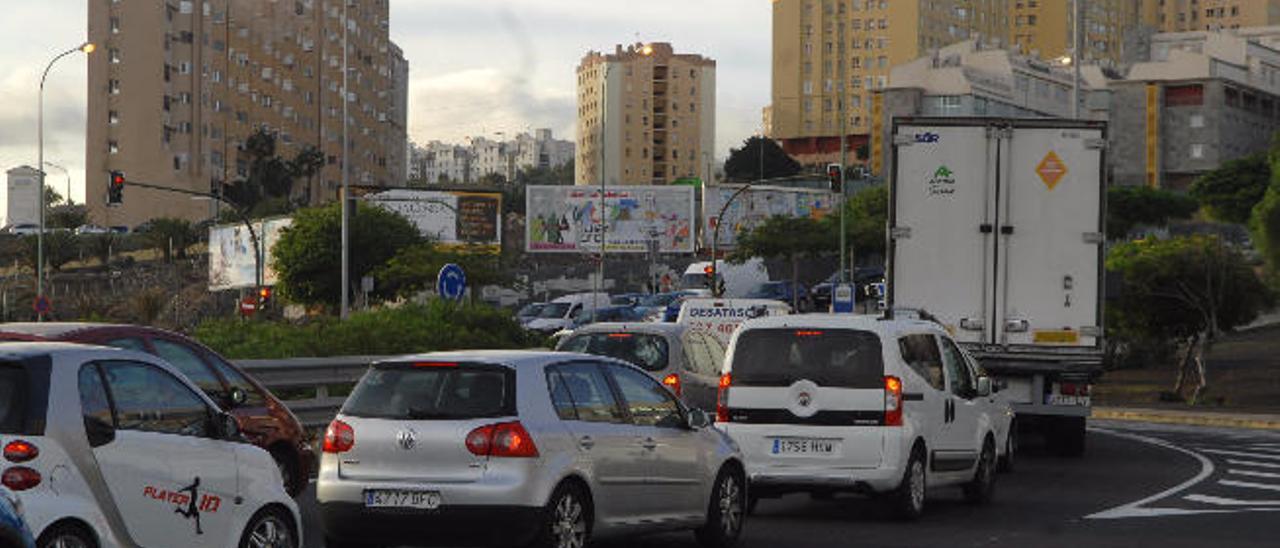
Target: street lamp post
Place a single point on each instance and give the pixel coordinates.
(346, 177)
(86, 47)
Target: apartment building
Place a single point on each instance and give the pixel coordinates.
(1190, 15)
(1205, 98)
(829, 56)
(180, 85)
(646, 116)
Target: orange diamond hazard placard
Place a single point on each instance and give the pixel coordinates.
(1051, 169)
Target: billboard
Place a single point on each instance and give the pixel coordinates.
(451, 218)
(566, 219)
(231, 264)
(754, 206)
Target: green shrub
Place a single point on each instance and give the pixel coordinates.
(435, 326)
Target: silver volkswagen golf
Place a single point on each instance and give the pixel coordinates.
(522, 449)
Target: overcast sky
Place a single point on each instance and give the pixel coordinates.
(477, 67)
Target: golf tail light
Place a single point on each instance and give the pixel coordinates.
(508, 439)
(892, 401)
(20, 451)
(722, 399)
(672, 381)
(339, 437)
(20, 478)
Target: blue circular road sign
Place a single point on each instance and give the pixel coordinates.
(452, 282)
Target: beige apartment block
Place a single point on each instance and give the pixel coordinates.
(176, 87)
(830, 56)
(1191, 15)
(646, 116)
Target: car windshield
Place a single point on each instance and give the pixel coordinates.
(772, 289)
(554, 311)
(840, 358)
(531, 310)
(661, 299)
(649, 352)
(13, 384)
(433, 391)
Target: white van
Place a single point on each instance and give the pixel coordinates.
(739, 279)
(721, 317)
(560, 314)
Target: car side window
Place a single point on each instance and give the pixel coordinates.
(149, 399)
(95, 405)
(252, 397)
(958, 371)
(921, 354)
(695, 353)
(589, 393)
(716, 351)
(560, 398)
(190, 364)
(649, 403)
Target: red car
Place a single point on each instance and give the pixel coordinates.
(265, 420)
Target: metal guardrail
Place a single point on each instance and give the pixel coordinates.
(283, 376)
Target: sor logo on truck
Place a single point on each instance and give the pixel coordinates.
(943, 182)
(927, 137)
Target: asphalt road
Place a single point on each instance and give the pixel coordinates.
(1138, 485)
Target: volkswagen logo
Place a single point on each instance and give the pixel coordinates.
(406, 439)
(804, 399)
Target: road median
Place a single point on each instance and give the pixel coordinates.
(1189, 417)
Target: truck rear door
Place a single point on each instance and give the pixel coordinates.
(1050, 237)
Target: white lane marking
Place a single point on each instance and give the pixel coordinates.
(1241, 454)
(1254, 464)
(1250, 485)
(1220, 501)
(1251, 473)
(1135, 509)
(1275, 450)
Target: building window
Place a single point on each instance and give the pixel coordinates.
(115, 25)
(1197, 151)
(1197, 120)
(113, 87)
(113, 147)
(114, 55)
(113, 117)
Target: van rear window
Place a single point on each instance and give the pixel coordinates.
(434, 391)
(13, 400)
(839, 358)
(649, 352)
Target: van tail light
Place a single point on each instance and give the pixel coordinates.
(20, 478)
(722, 399)
(20, 451)
(339, 437)
(672, 381)
(892, 401)
(507, 440)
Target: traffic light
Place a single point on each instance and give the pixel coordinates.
(115, 188)
(710, 272)
(264, 297)
(834, 173)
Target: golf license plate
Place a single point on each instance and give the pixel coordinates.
(803, 446)
(402, 498)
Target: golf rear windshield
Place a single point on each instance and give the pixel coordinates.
(434, 391)
(839, 358)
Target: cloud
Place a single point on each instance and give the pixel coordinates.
(483, 101)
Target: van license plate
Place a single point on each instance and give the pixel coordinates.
(1059, 399)
(402, 498)
(802, 446)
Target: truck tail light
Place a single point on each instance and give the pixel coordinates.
(722, 398)
(672, 381)
(339, 437)
(20, 451)
(892, 401)
(508, 439)
(20, 478)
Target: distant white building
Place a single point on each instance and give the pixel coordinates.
(438, 162)
(23, 196)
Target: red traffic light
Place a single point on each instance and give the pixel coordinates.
(834, 173)
(709, 270)
(117, 179)
(264, 294)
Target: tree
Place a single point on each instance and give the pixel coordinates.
(784, 237)
(307, 164)
(1188, 290)
(60, 248)
(744, 163)
(269, 185)
(1129, 207)
(308, 256)
(68, 216)
(100, 246)
(170, 236)
(1265, 225)
(1230, 192)
(51, 196)
(559, 175)
(415, 268)
(867, 214)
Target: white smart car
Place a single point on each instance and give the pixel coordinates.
(838, 403)
(108, 447)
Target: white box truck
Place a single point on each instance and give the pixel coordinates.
(996, 229)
